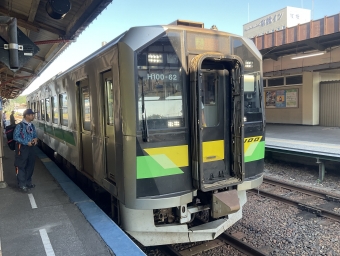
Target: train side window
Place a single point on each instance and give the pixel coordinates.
(55, 112)
(42, 110)
(38, 110)
(109, 102)
(63, 109)
(48, 109)
(86, 108)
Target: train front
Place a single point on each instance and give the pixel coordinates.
(193, 131)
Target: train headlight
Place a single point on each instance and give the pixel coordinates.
(248, 64)
(175, 123)
(155, 58)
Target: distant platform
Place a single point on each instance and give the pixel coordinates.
(317, 140)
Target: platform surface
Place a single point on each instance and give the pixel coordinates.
(54, 218)
(316, 139)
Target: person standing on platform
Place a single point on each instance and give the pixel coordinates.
(12, 119)
(26, 138)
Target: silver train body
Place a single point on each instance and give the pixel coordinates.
(157, 117)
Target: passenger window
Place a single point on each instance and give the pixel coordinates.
(38, 110)
(55, 112)
(48, 109)
(86, 108)
(109, 102)
(42, 110)
(63, 109)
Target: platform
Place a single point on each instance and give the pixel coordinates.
(309, 139)
(318, 142)
(55, 218)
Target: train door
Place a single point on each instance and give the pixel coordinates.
(85, 126)
(110, 149)
(216, 122)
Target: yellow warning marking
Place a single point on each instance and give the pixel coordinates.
(250, 140)
(177, 154)
(213, 151)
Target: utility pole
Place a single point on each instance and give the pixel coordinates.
(3, 184)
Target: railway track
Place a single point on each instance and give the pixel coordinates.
(223, 239)
(319, 211)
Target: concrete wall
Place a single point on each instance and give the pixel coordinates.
(285, 115)
(307, 112)
(310, 98)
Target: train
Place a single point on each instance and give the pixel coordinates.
(169, 119)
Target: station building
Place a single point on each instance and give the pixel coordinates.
(301, 69)
(281, 19)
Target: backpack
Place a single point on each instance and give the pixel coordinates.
(9, 134)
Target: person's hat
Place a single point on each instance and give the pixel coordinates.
(28, 112)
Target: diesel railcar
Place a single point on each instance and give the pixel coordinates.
(169, 120)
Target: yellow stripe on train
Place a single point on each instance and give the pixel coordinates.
(250, 141)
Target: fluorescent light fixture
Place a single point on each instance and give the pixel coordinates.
(307, 55)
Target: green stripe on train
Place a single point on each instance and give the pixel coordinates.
(61, 134)
(255, 152)
(156, 166)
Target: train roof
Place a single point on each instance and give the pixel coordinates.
(146, 34)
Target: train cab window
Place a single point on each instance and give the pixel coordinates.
(42, 110)
(160, 84)
(109, 101)
(209, 100)
(55, 112)
(48, 109)
(252, 98)
(86, 108)
(63, 109)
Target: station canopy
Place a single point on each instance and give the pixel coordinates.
(50, 26)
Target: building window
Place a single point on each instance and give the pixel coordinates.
(264, 82)
(55, 112)
(291, 80)
(278, 81)
(63, 109)
(48, 109)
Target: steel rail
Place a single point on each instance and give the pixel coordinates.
(241, 246)
(168, 250)
(313, 209)
(303, 190)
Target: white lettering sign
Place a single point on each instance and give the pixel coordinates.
(266, 21)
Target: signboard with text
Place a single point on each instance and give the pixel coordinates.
(282, 98)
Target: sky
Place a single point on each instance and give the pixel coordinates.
(120, 15)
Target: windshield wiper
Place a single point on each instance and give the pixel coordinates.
(145, 132)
